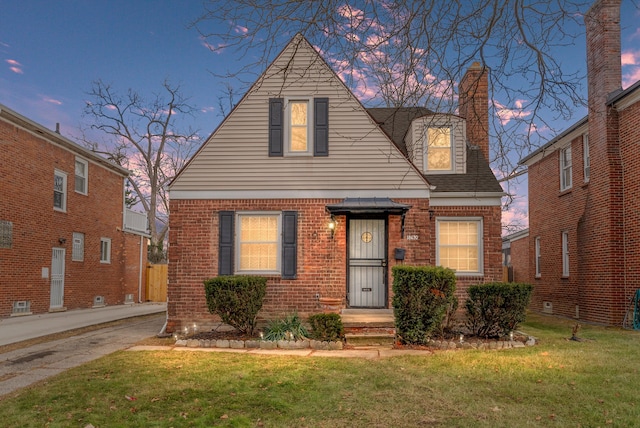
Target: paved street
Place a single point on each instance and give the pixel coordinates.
(26, 366)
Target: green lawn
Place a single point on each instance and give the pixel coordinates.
(556, 383)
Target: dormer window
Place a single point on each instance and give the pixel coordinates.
(439, 153)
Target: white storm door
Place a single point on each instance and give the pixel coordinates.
(57, 278)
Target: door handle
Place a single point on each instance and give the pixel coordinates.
(383, 263)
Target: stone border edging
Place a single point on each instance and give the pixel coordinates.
(260, 344)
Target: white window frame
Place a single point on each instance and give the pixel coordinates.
(105, 250)
(288, 126)
(77, 253)
(85, 178)
(538, 259)
(238, 241)
(426, 150)
(63, 175)
(586, 160)
(480, 246)
(566, 168)
(565, 254)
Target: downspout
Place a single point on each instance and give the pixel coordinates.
(140, 272)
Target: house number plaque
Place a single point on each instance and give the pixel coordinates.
(413, 237)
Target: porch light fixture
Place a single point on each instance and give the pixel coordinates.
(62, 241)
(332, 225)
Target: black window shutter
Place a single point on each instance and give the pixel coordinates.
(225, 243)
(276, 126)
(321, 126)
(289, 244)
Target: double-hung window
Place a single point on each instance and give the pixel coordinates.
(585, 157)
(81, 174)
(439, 153)
(298, 126)
(538, 257)
(59, 191)
(459, 244)
(105, 250)
(258, 237)
(565, 168)
(565, 254)
(262, 242)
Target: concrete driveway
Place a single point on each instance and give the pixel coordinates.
(23, 367)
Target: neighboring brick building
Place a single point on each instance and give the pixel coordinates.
(66, 239)
(515, 256)
(302, 184)
(584, 218)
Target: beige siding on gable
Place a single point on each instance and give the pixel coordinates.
(360, 155)
(418, 138)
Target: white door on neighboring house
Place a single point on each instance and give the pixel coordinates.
(57, 278)
(367, 263)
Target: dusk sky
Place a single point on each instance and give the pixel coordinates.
(51, 51)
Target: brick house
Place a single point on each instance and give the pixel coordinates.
(584, 188)
(302, 184)
(66, 239)
(515, 256)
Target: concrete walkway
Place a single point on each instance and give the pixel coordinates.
(17, 329)
(366, 353)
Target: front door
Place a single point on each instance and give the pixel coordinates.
(57, 278)
(367, 263)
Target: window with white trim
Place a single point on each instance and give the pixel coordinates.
(59, 190)
(459, 244)
(565, 168)
(299, 114)
(105, 250)
(77, 254)
(565, 253)
(538, 258)
(258, 243)
(439, 149)
(81, 176)
(586, 160)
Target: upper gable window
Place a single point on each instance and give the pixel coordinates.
(81, 174)
(439, 154)
(59, 191)
(565, 168)
(298, 126)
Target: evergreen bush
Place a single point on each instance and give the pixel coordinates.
(236, 299)
(421, 296)
(326, 327)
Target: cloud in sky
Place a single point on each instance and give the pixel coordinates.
(51, 100)
(506, 114)
(15, 66)
(630, 60)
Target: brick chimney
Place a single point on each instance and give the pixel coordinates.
(474, 106)
(604, 70)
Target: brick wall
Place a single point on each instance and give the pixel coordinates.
(322, 260)
(520, 259)
(27, 165)
(594, 213)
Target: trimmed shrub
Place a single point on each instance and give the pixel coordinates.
(236, 299)
(287, 328)
(421, 296)
(496, 308)
(326, 327)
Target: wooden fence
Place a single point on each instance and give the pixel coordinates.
(156, 287)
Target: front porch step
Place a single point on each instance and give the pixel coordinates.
(369, 339)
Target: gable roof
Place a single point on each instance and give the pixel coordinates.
(234, 161)
(396, 121)
(23, 122)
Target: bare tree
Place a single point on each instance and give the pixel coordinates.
(413, 53)
(143, 137)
